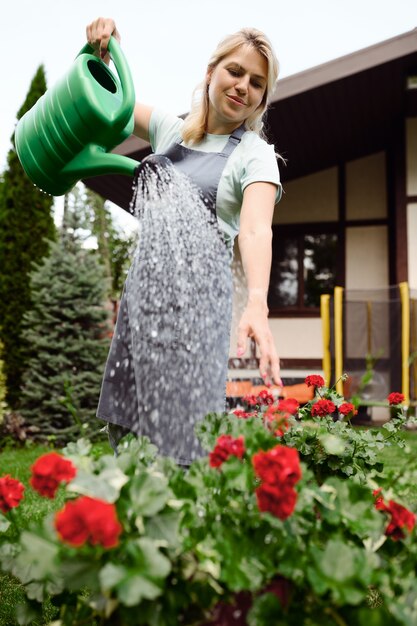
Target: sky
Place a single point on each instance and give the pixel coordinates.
(168, 42)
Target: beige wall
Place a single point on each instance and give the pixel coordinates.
(297, 338)
(411, 154)
(366, 257)
(366, 188)
(412, 244)
(309, 199)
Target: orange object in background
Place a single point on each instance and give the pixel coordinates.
(240, 388)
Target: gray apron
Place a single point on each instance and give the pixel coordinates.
(188, 389)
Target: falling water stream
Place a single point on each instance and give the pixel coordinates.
(178, 292)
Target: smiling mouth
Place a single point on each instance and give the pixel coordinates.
(236, 100)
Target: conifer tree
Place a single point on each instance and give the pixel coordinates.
(26, 228)
(115, 248)
(68, 334)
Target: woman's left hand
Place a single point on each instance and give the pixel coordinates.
(254, 323)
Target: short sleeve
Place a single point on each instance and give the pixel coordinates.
(164, 130)
(261, 166)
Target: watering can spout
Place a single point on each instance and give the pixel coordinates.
(93, 160)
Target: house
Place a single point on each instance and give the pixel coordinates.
(348, 132)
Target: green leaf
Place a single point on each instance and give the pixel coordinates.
(28, 613)
(265, 611)
(156, 565)
(164, 528)
(4, 523)
(111, 575)
(136, 588)
(337, 561)
(149, 493)
(36, 560)
(333, 444)
(106, 486)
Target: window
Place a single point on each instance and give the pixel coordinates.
(303, 267)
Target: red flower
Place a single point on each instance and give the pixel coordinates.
(395, 398)
(49, 471)
(226, 446)
(243, 414)
(322, 408)
(280, 465)
(379, 500)
(88, 520)
(278, 500)
(250, 400)
(277, 419)
(400, 516)
(346, 408)
(11, 492)
(265, 397)
(314, 381)
(289, 405)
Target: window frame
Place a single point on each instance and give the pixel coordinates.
(299, 231)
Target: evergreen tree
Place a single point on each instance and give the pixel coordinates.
(26, 227)
(67, 331)
(115, 249)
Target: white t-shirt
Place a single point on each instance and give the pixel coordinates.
(253, 160)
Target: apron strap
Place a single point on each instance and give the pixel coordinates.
(234, 140)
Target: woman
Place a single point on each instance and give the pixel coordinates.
(219, 146)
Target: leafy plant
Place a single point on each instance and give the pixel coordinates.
(288, 520)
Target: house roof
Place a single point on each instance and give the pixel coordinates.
(340, 110)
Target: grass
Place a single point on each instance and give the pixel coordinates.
(17, 462)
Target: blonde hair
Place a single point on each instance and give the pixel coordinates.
(195, 125)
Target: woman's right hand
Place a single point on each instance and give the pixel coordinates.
(99, 33)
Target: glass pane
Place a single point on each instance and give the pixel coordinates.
(320, 258)
(283, 287)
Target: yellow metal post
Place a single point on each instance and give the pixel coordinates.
(338, 338)
(405, 339)
(414, 345)
(325, 325)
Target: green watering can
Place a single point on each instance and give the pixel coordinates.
(68, 133)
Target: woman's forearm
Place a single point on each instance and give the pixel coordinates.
(256, 252)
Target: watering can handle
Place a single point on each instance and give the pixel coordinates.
(123, 115)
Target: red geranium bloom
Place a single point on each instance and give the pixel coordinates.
(265, 397)
(88, 520)
(277, 418)
(226, 446)
(11, 492)
(395, 398)
(346, 408)
(243, 414)
(250, 400)
(276, 500)
(49, 471)
(280, 465)
(322, 408)
(314, 380)
(289, 405)
(379, 500)
(400, 518)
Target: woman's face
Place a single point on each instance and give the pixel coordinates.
(236, 88)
